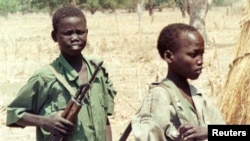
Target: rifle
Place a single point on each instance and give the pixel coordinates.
(126, 133)
(73, 107)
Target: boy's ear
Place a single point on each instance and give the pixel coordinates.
(53, 35)
(168, 56)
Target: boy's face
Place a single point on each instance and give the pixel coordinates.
(187, 60)
(71, 35)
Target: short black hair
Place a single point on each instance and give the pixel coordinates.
(169, 37)
(66, 11)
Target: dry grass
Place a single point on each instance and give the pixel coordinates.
(236, 92)
(237, 87)
(129, 54)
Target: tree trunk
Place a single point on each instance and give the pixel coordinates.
(197, 11)
(183, 6)
(139, 12)
(150, 7)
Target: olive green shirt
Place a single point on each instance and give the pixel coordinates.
(164, 109)
(44, 95)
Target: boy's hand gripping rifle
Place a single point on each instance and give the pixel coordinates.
(71, 111)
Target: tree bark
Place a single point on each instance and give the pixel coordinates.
(150, 7)
(197, 11)
(139, 12)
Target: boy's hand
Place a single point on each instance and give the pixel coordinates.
(58, 125)
(189, 131)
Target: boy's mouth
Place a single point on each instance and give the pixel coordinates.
(76, 46)
(199, 70)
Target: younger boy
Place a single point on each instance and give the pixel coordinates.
(174, 110)
(41, 101)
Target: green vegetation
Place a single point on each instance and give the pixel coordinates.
(26, 6)
(223, 2)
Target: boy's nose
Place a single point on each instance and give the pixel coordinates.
(200, 61)
(74, 36)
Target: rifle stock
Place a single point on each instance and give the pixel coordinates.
(74, 106)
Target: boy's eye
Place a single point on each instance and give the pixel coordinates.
(81, 32)
(196, 53)
(68, 33)
(193, 55)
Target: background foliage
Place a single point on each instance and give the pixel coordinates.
(28, 6)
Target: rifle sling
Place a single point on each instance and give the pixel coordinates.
(61, 79)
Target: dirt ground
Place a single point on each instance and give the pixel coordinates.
(127, 47)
